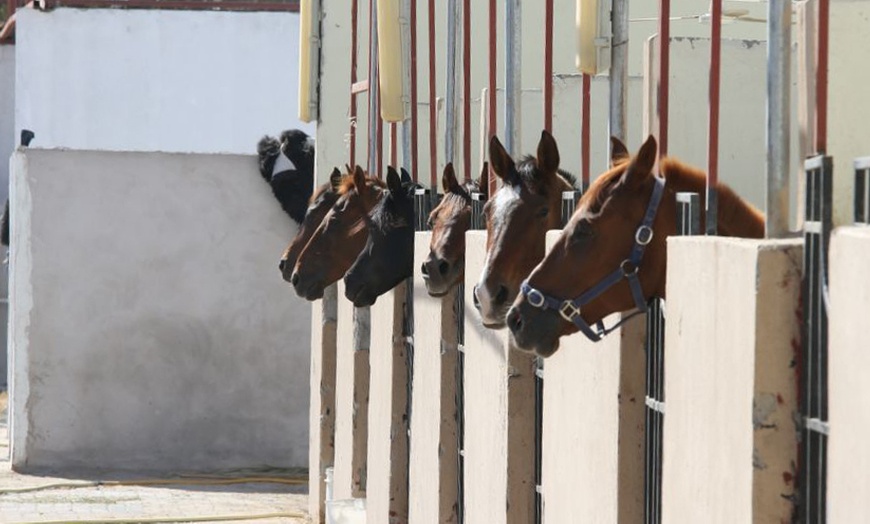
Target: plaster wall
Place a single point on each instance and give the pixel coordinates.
(149, 328)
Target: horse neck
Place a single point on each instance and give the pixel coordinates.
(735, 216)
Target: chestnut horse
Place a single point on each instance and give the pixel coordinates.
(518, 217)
(318, 205)
(451, 218)
(388, 257)
(612, 255)
(339, 238)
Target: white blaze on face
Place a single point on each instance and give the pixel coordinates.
(504, 201)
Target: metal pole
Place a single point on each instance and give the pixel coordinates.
(664, 72)
(513, 76)
(493, 87)
(452, 99)
(353, 77)
(409, 66)
(713, 120)
(778, 105)
(433, 109)
(619, 69)
(548, 65)
(466, 89)
(585, 123)
(822, 78)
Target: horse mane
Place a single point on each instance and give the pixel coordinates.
(527, 166)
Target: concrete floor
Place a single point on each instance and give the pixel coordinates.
(251, 502)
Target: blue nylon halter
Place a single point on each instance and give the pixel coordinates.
(570, 309)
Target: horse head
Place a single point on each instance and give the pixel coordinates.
(449, 221)
(518, 216)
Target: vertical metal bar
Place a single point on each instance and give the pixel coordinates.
(862, 190)
(452, 99)
(713, 120)
(569, 204)
(408, 64)
(585, 124)
(394, 142)
(493, 87)
(513, 77)
(433, 109)
(664, 72)
(414, 136)
(619, 69)
(374, 139)
(822, 78)
(778, 115)
(548, 65)
(354, 17)
(466, 89)
(539, 434)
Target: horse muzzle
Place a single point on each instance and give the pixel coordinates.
(533, 330)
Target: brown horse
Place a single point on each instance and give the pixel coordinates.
(319, 204)
(339, 238)
(451, 218)
(518, 217)
(595, 258)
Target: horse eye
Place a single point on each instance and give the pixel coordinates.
(543, 212)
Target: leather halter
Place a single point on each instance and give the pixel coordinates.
(570, 310)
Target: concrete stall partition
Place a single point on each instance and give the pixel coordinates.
(849, 389)
(499, 414)
(434, 455)
(351, 398)
(387, 474)
(321, 439)
(150, 330)
(593, 429)
(732, 340)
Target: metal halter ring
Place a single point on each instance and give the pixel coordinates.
(643, 235)
(569, 310)
(628, 268)
(535, 298)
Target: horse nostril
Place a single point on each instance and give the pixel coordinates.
(281, 265)
(443, 267)
(424, 269)
(514, 320)
(474, 298)
(502, 294)
(294, 279)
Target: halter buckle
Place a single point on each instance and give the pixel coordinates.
(628, 268)
(643, 235)
(569, 311)
(535, 298)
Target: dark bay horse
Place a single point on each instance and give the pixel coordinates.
(449, 221)
(626, 209)
(518, 217)
(388, 256)
(338, 240)
(321, 202)
(287, 165)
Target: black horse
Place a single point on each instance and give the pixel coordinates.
(291, 174)
(388, 257)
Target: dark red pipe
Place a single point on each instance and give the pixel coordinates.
(433, 110)
(715, 69)
(466, 88)
(548, 66)
(664, 71)
(822, 78)
(584, 130)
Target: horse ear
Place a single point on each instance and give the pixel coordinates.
(502, 163)
(483, 181)
(406, 177)
(548, 154)
(448, 179)
(618, 151)
(394, 181)
(335, 178)
(642, 165)
(359, 178)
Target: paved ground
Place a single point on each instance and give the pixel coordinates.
(250, 502)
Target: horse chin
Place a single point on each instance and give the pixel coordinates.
(360, 296)
(310, 291)
(437, 290)
(532, 330)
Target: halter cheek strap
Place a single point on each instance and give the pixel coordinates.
(570, 310)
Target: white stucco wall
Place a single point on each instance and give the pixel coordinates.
(150, 329)
(7, 114)
(151, 80)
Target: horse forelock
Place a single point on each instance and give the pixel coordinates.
(348, 185)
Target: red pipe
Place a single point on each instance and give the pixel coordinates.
(584, 130)
(353, 79)
(715, 69)
(822, 78)
(414, 89)
(493, 93)
(466, 89)
(664, 71)
(433, 113)
(394, 156)
(548, 66)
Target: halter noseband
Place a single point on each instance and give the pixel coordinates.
(570, 309)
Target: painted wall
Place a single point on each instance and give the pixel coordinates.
(8, 139)
(150, 80)
(150, 329)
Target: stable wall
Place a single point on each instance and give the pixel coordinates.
(154, 80)
(149, 327)
(849, 390)
(731, 337)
